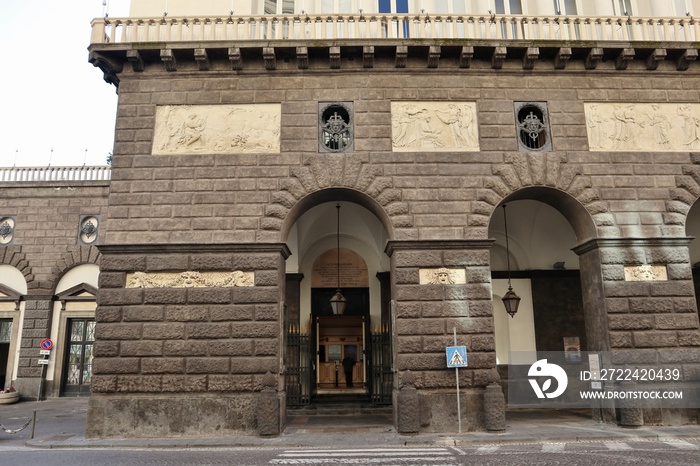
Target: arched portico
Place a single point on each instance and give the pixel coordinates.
(313, 231)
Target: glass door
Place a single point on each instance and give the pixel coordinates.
(78, 366)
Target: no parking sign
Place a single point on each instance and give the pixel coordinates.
(46, 344)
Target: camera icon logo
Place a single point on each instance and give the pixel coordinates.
(542, 369)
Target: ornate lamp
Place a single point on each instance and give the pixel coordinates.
(511, 301)
(338, 301)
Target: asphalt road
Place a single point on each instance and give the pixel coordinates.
(671, 453)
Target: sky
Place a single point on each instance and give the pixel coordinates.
(51, 96)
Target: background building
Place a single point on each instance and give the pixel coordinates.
(270, 153)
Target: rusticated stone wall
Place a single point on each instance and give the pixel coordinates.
(44, 247)
(186, 348)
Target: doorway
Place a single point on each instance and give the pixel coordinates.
(5, 340)
(337, 337)
(78, 374)
(340, 354)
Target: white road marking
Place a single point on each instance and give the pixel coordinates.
(553, 447)
(486, 449)
(682, 445)
(617, 446)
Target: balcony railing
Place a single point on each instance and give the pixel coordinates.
(393, 26)
(44, 174)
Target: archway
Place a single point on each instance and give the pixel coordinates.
(692, 228)
(13, 287)
(69, 372)
(317, 340)
(555, 317)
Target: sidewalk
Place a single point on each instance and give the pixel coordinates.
(60, 423)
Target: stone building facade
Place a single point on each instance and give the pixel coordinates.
(242, 166)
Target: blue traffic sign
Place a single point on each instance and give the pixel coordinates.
(456, 356)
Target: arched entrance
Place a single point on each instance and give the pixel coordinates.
(334, 355)
(692, 228)
(554, 317)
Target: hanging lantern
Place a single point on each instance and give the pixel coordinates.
(338, 301)
(511, 301)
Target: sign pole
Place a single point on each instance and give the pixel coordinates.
(459, 408)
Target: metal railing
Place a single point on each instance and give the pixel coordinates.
(394, 26)
(43, 174)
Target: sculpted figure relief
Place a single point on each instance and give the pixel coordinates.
(434, 127)
(234, 129)
(642, 127)
(190, 279)
(442, 276)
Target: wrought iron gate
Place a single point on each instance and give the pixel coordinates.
(382, 379)
(297, 374)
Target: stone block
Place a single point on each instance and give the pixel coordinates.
(208, 330)
(168, 331)
(186, 348)
(109, 366)
(653, 339)
(141, 348)
(207, 365)
(676, 321)
(209, 295)
(117, 331)
(164, 365)
(165, 295)
(231, 348)
(186, 314)
(255, 330)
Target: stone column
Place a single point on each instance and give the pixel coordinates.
(439, 286)
(640, 305)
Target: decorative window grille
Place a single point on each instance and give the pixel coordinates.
(89, 225)
(532, 124)
(335, 127)
(7, 230)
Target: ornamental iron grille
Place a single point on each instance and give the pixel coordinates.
(7, 230)
(297, 367)
(89, 225)
(532, 125)
(381, 368)
(335, 127)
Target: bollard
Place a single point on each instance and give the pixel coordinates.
(494, 404)
(629, 416)
(268, 408)
(408, 406)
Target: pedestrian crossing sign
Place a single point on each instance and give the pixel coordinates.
(456, 356)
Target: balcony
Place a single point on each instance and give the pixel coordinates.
(377, 27)
(398, 40)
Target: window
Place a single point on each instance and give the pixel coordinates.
(565, 7)
(456, 7)
(401, 6)
(514, 7)
(624, 8)
(276, 7)
(7, 230)
(681, 7)
(335, 127)
(532, 126)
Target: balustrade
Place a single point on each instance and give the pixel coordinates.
(44, 174)
(393, 26)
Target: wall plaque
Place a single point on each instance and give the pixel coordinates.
(227, 129)
(434, 127)
(190, 279)
(645, 273)
(645, 127)
(353, 270)
(442, 276)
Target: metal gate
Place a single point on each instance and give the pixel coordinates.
(382, 379)
(297, 374)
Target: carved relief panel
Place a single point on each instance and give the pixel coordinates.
(228, 129)
(643, 127)
(434, 127)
